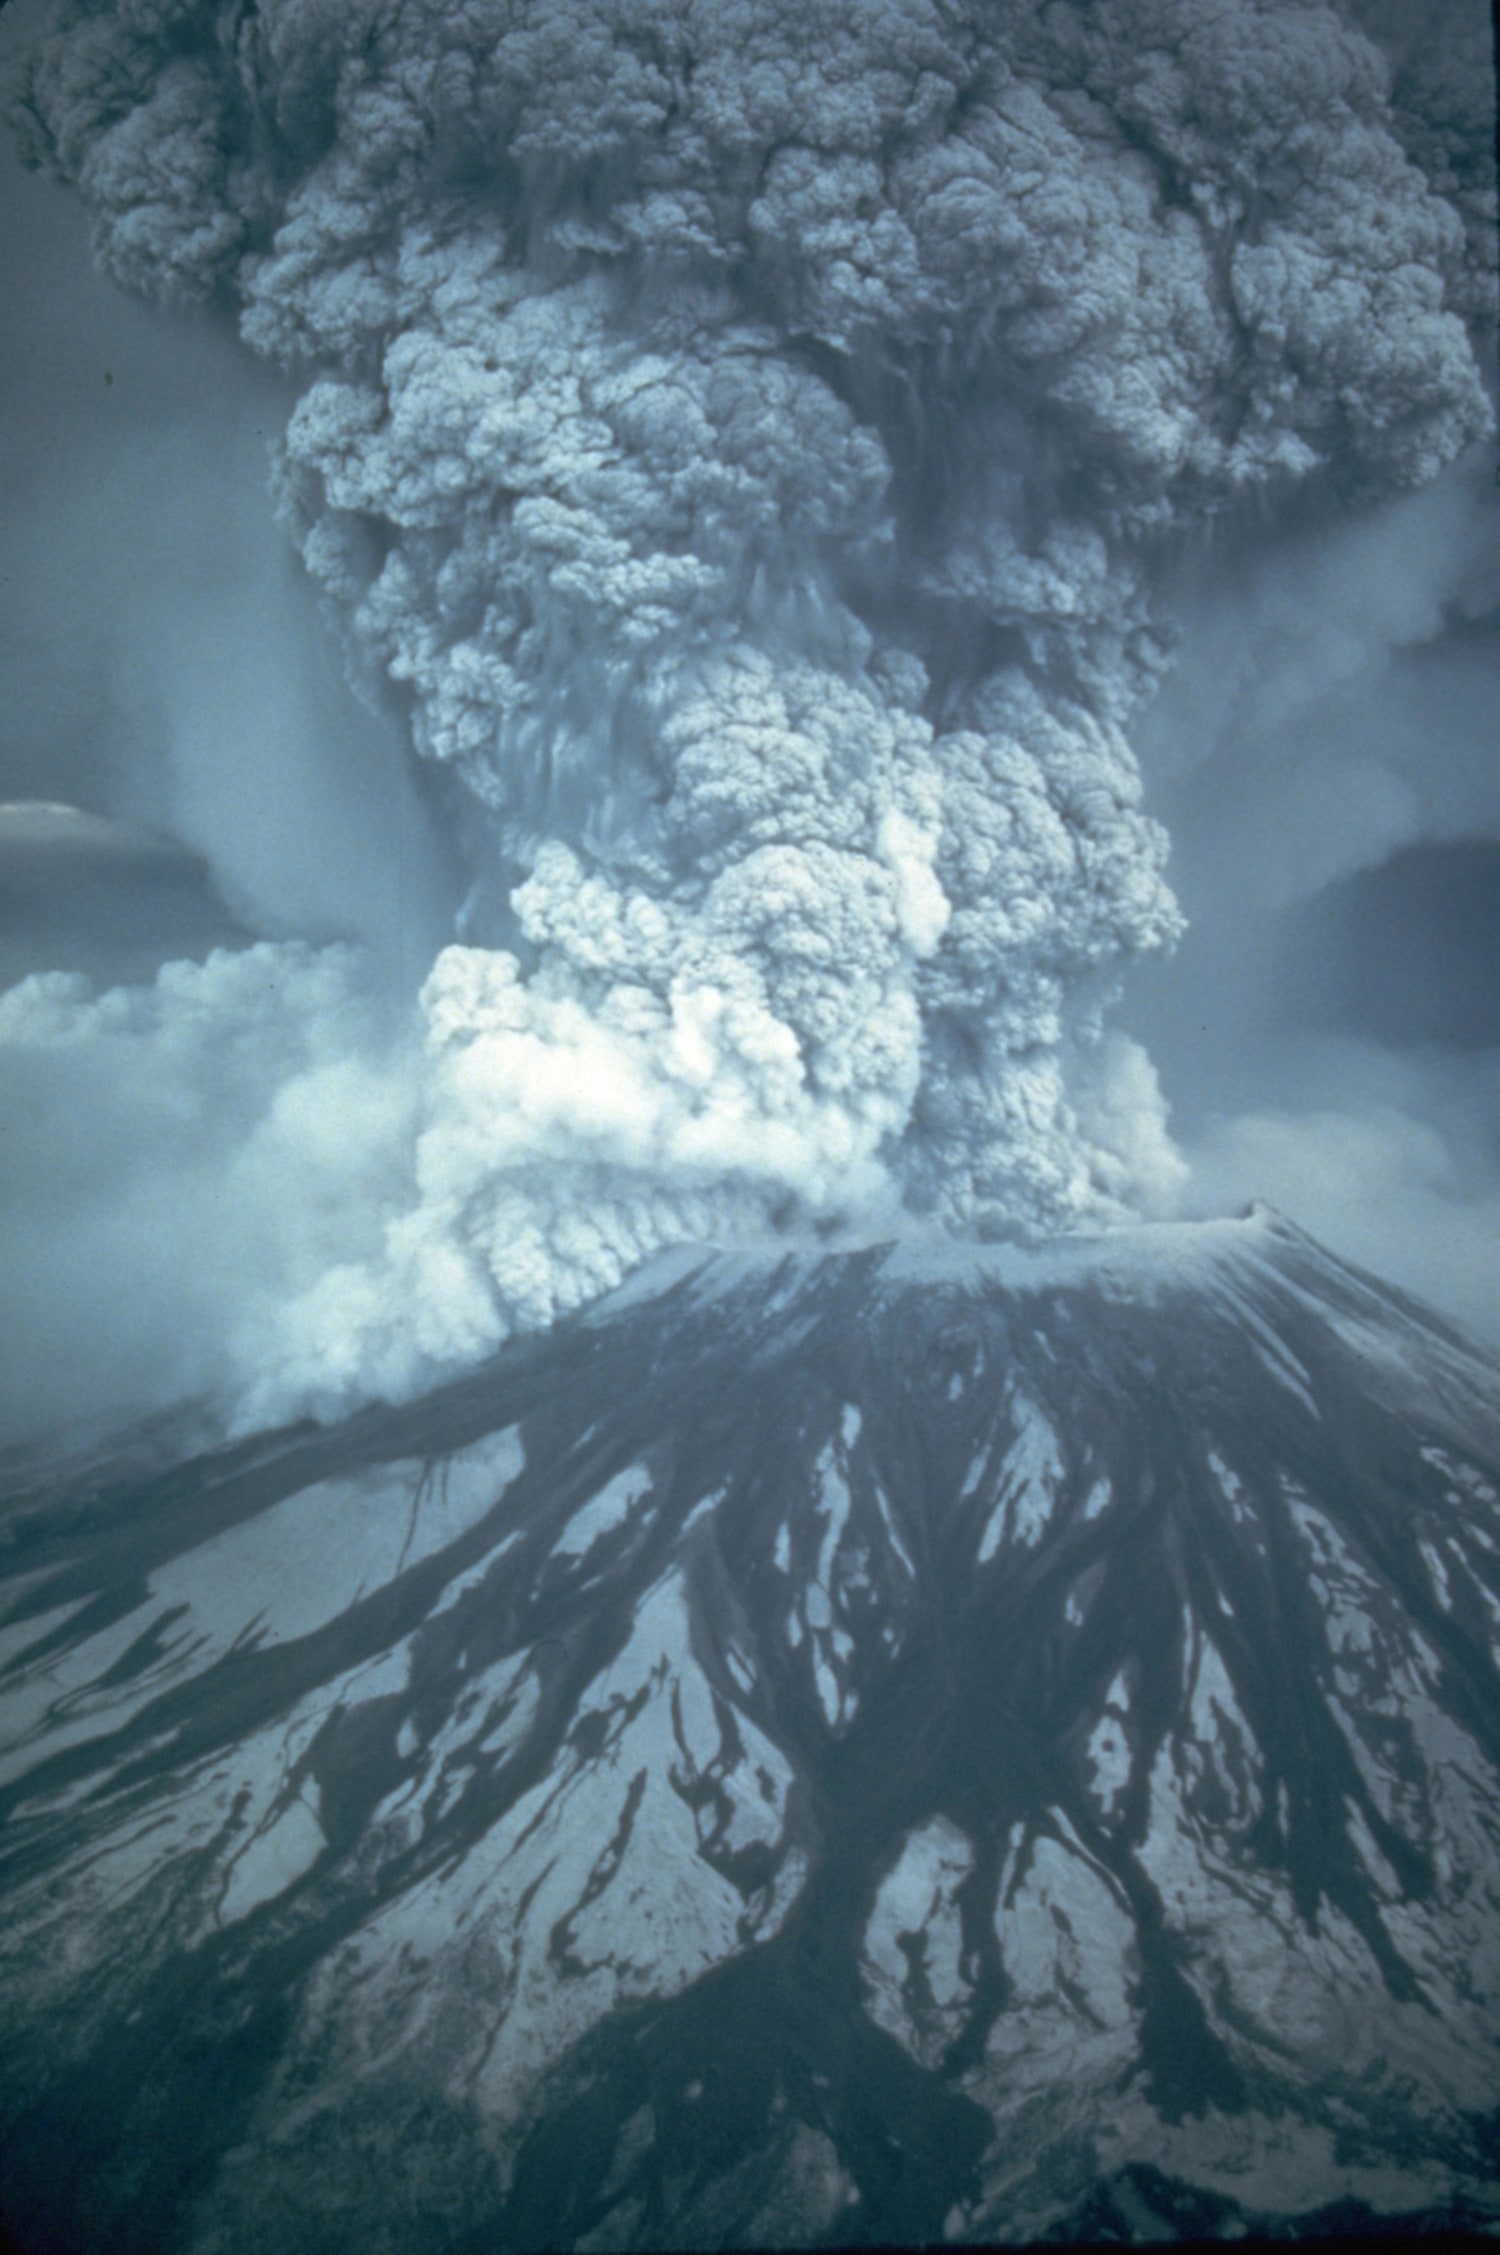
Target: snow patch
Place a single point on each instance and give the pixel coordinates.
(608, 1509)
(275, 1858)
(915, 1980)
(1107, 1753)
(1438, 1573)
(1032, 1472)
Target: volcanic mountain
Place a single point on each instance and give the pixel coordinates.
(867, 1746)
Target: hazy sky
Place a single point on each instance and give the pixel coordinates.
(182, 1165)
(1326, 763)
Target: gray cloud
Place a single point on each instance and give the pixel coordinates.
(179, 1156)
(1323, 757)
(78, 893)
(746, 437)
(200, 1149)
(1408, 951)
(160, 660)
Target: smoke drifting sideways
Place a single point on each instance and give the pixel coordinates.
(1324, 758)
(744, 440)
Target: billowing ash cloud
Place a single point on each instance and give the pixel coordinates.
(743, 434)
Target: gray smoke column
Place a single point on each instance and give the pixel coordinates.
(744, 434)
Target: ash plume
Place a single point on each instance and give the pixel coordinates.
(744, 438)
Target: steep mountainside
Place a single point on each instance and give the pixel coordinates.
(869, 1747)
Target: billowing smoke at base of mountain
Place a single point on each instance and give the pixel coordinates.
(743, 436)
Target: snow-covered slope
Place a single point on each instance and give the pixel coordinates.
(878, 1746)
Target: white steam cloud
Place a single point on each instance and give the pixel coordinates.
(744, 433)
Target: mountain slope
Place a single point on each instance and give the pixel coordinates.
(864, 1747)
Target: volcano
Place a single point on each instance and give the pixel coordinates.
(857, 1747)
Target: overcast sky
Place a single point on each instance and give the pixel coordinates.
(1326, 1033)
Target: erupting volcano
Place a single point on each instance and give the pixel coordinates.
(662, 1584)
